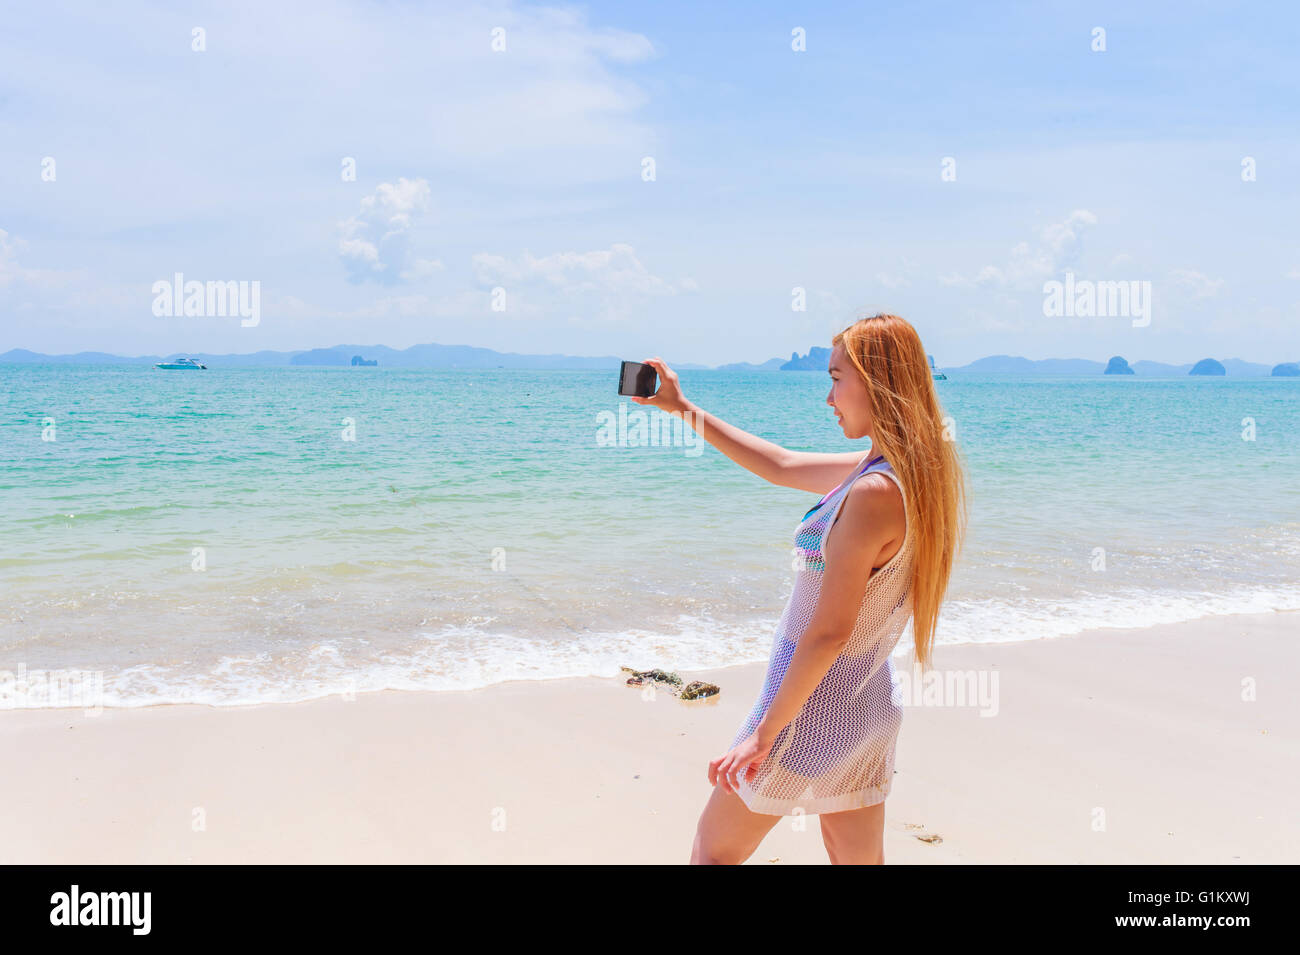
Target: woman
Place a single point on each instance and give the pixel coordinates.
(874, 553)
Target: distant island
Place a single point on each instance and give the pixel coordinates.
(817, 358)
(343, 356)
(1208, 366)
(772, 364)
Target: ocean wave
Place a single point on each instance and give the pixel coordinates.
(461, 658)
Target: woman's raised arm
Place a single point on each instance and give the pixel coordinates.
(804, 470)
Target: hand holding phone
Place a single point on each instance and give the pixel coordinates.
(668, 397)
(637, 379)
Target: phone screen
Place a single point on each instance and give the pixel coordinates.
(636, 378)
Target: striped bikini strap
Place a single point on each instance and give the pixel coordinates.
(857, 474)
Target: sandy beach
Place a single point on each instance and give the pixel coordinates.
(1113, 746)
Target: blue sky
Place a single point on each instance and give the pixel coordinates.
(522, 169)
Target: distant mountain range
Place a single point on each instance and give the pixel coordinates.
(467, 356)
(817, 358)
(417, 356)
(1009, 365)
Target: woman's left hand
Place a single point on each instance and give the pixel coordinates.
(739, 763)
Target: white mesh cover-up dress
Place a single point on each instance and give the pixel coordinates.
(838, 751)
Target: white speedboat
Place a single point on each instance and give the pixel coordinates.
(177, 363)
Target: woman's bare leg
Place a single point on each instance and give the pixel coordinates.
(728, 833)
(856, 836)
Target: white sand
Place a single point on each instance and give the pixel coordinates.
(1146, 726)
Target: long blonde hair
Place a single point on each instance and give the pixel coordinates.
(908, 429)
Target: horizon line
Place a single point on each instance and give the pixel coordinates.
(292, 352)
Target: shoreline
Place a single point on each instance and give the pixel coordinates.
(1133, 730)
(85, 675)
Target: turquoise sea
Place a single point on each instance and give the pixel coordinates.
(254, 535)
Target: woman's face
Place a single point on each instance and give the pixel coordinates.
(848, 396)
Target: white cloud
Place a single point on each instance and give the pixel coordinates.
(608, 282)
(9, 268)
(1199, 285)
(1056, 248)
(12, 272)
(403, 305)
(423, 268)
(375, 242)
(462, 305)
(553, 90)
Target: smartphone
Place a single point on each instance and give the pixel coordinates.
(637, 378)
